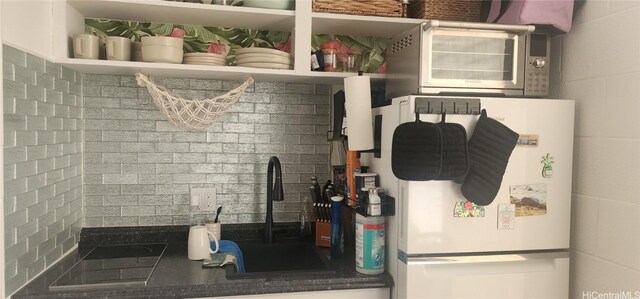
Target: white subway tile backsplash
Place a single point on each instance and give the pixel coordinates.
(601, 47)
(600, 70)
(155, 179)
(607, 168)
(207, 168)
(584, 228)
(205, 84)
(593, 274)
(620, 5)
(117, 179)
(189, 178)
(206, 148)
(618, 224)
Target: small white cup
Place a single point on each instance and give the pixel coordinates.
(118, 48)
(199, 247)
(214, 228)
(86, 46)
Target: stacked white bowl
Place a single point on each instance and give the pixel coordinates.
(264, 58)
(162, 49)
(205, 59)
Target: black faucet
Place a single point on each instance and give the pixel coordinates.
(274, 193)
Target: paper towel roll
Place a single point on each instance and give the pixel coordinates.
(357, 93)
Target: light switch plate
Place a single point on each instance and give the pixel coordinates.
(205, 198)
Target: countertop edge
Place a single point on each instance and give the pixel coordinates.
(217, 290)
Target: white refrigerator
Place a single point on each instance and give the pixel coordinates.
(440, 246)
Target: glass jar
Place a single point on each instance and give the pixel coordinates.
(330, 59)
(350, 63)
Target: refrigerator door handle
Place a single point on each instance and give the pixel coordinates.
(484, 259)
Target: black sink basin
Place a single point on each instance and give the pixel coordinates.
(285, 257)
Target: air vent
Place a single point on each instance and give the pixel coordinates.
(402, 43)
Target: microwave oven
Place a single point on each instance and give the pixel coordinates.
(456, 58)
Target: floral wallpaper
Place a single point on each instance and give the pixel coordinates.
(370, 50)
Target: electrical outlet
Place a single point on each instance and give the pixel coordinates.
(204, 198)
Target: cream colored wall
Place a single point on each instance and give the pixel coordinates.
(2, 282)
(601, 71)
(26, 25)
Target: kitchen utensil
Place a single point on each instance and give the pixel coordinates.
(196, 61)
(217, 214)
(248, 58)
(207, 55)
(455, 154)
(314, 198)
(215, 228)
(325, 197)
(416, 151)
(118, 48)
(262, 51)
(205, 63)
(86, 46)
(162, 49)
(266, 65)
(490, 147)
(198, 245)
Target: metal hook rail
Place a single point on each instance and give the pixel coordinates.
(435, 105)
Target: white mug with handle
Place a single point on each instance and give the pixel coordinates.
(86, 46)
(118, 48)
(199, 246)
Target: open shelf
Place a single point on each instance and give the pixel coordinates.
(187, 13)
(171, 70)
(69, 19)
(328, 23)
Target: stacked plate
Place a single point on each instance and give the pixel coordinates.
(204, 59)
(264, 58)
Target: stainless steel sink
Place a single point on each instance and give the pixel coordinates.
(282, 258)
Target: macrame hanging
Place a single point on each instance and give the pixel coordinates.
(188, 114)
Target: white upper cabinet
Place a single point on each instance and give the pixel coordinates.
(68, 19)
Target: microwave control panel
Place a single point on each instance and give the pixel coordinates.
(537, 72)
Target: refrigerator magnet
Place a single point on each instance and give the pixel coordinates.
(530, 200)
(467, 209)
(506, 216)
(547, 168)
(528, 140)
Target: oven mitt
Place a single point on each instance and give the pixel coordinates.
(455, 155)
(416, 151)
(490, 147)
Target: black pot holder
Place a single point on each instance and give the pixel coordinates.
(455, 154)
(416, 151)
(490, 147)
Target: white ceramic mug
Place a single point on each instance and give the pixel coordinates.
(199, 246)
(86, 46)
(118, 48)
(214, 228)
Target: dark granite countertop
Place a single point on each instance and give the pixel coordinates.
(177, 277)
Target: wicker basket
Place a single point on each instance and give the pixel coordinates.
(383, 8)
(452, 10)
